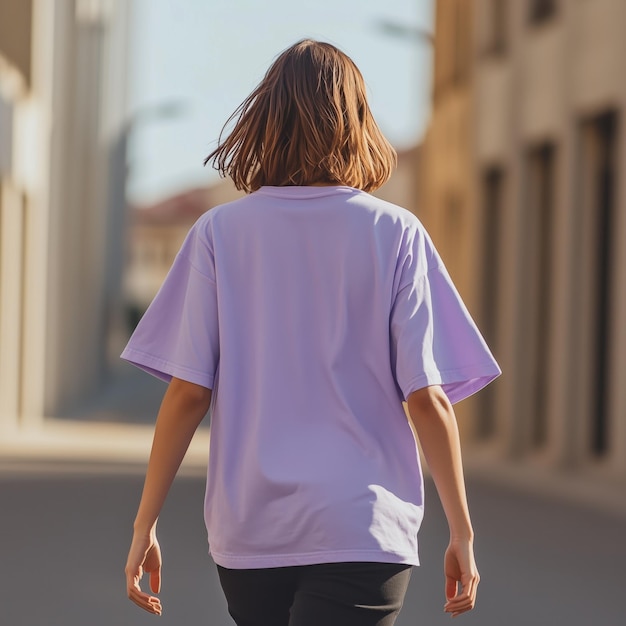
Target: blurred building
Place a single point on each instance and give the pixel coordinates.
(62, 112)
(523, 190)
(157, 233)
(446, 197)
(401, 188)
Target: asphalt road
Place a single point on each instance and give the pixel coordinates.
(64, 535)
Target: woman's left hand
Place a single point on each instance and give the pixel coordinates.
(144, 556)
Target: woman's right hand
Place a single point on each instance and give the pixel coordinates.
(462, 577)
(144, 556)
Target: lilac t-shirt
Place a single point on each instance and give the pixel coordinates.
(311, 312)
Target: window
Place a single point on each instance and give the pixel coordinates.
(598, 182)
(497, 18)
(540, 186)
(541, 10)
(493, 202)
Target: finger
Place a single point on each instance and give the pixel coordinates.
(465, 601)
(458, 607)
(470, 588)
(155, 580)
(147, 602)
(467, 586)
(465, 604)
(459, 610)
(473, 588)
(143, 600)
(149, 607)
(451, 587)
(458, 601)
(461, 599)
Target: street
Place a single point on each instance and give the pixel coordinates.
(64, 532)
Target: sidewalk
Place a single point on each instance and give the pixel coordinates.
(595, 488)
(113, 431)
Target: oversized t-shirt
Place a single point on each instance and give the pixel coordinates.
(312, 313)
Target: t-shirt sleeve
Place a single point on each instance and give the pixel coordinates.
(178, 334)
(434, 339)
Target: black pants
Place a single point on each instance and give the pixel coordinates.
(332, 594)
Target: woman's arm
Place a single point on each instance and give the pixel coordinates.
(183, 407)
(436, 427)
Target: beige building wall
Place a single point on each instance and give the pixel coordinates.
(446, 203)
(401, 188)
(544, 225)
(59, 119)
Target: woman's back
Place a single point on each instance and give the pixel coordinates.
(308, 427)
(310, 313)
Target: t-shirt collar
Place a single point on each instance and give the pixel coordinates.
(310, 191)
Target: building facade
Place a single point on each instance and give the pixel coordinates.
(62, 109)
(539, 136)
(402, 186)
(445, 194)
(156, 234)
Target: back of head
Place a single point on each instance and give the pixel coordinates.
(306, 123)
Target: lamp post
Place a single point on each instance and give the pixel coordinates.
(404, 31)
(409, 32)
(407, 186)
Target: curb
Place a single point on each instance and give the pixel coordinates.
(594, 488)
(91, 446)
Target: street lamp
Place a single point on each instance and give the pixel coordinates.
(399, 30)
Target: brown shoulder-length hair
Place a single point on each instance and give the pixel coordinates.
(306, 123)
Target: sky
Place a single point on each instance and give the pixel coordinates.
(194, 61)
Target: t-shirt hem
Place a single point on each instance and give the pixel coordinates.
(232, 561)
(164, 369)
(467, 380)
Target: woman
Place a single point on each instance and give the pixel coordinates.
(304, 314)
